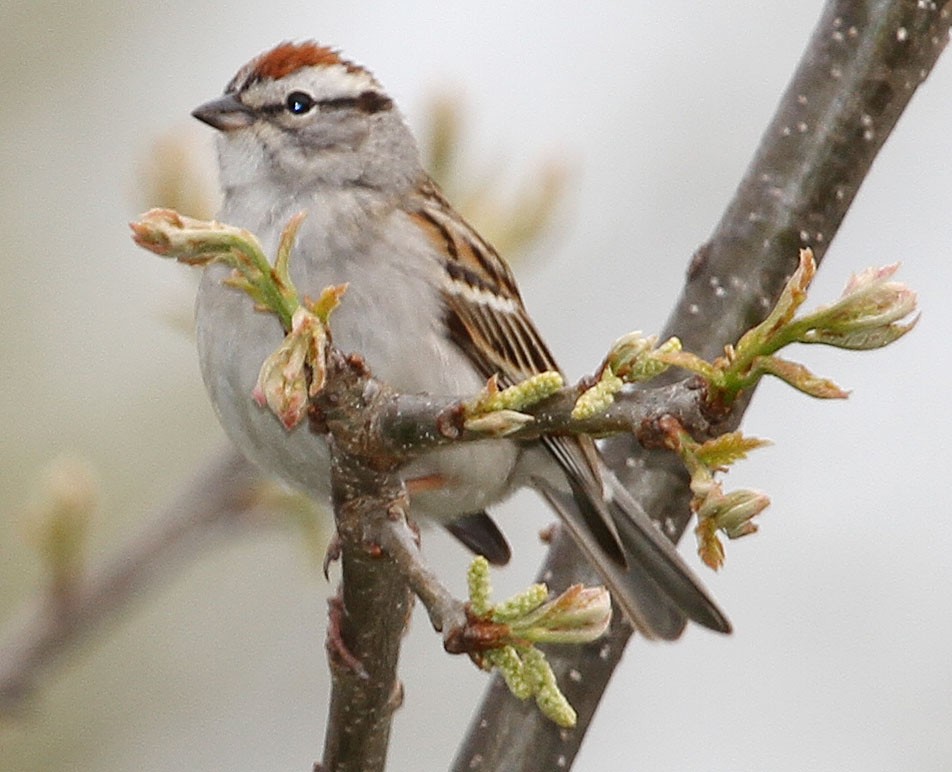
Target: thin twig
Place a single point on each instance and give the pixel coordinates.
(858, 73)
(446, 612)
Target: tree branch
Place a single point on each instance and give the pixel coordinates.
(858, 73)
(375, 600)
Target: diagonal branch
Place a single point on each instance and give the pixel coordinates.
(858, 73)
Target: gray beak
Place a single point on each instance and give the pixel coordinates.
(226, 113)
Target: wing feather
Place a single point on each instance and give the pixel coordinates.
(487, 319)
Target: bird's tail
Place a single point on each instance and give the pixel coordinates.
(656, 590)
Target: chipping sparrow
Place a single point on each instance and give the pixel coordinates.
(430, 306)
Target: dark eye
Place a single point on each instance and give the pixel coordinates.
(299, 103)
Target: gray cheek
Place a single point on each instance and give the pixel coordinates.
(335, 131)
(240, 158)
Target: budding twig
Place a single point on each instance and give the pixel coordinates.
(731, 513)
(503, 636)
(871, 313)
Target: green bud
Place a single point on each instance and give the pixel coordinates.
(599, 397)
(282, 380)
(480, 586)
(498, 423)
(868, 314)
(578, 615)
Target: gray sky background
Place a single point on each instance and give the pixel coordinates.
(843, 623)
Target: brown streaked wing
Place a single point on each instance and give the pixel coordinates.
(488, 321)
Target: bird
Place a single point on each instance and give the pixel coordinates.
(430, 306)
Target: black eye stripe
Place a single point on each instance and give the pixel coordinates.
(367, 102)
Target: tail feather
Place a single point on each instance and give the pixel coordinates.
(633, 590)
(580, 462)
(647, 547)
(656, 591)
(479, 533)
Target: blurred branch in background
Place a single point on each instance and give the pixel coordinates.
(222, 499)
(178, 173)
(512, 223)
(58, 524)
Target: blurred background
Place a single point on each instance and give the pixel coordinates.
(843, 623)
